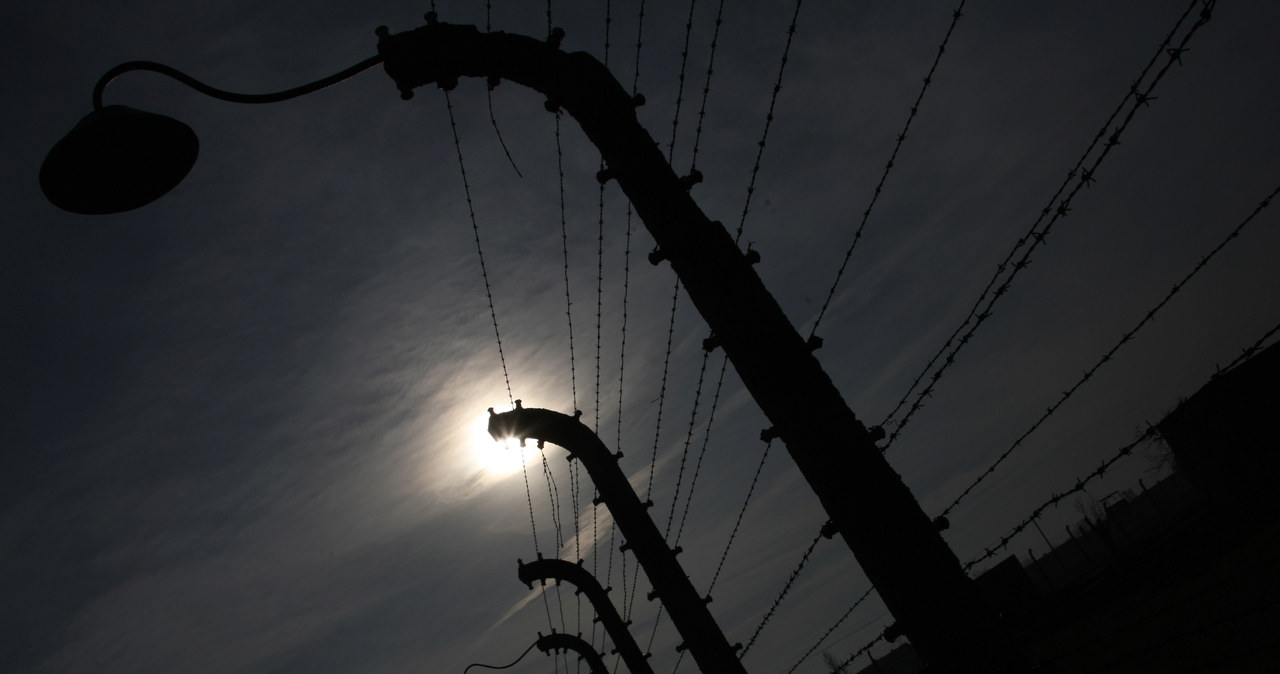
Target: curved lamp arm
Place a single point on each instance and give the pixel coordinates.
(224, 95)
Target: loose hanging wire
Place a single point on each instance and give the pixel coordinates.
(1107, 357)
(506, 666)
(1036, 238)
(764, 136)
(902, 136)
(488, 27)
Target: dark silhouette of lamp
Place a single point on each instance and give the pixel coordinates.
(119, 158)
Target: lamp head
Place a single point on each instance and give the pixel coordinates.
(117, 159)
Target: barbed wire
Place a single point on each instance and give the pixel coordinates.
(1108, 356)
(706, 441)
(764, 136)
(1034, 238)
(628, 597)
(564, 246)
(834, 626)
(1001, 267)
(688, 441)
(475, 229)
(706, 88)
(786, 588)
(553, 495)
(1056, 498)
(875, 196)
(865, 650)
(662, 390)
(1247, 353)
(741, 512)
(635, 79)
(684, 62)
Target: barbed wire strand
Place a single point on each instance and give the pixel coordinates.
(875, 196)
(834, 626)
(786, 588)
(564, 247)
(1109, 355)
(1056, 498)
(608, 577)
(688, 442)
(475, 228)
(741, 512)
(1021, 241)
(764, 136)
(706, 441)
(1247, 353)
(684, 62)
(865, 650)
(628, 597)
(706, 88)
(661, 400)
(553, 494)
(1038, 238)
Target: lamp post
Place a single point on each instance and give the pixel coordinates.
(898, 547)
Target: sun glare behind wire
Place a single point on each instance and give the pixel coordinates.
(499, 458)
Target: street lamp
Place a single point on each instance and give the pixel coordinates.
(897, 545)
(120, 158)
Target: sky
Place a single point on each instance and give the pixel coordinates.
(241, 422)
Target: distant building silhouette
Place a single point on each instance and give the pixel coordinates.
(1177, 577)
(1224, 437)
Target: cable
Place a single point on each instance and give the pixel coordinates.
(507, 666)
(222, 94)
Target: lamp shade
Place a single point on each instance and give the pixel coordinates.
(116, 159)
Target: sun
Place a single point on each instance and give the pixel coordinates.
(498, 458)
